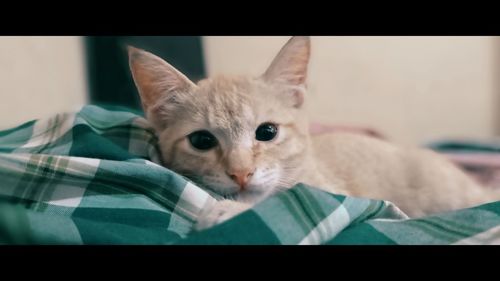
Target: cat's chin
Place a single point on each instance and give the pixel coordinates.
(247, 196)
(254, 195)
(250, 196)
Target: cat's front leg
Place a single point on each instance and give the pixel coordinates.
(220, 212)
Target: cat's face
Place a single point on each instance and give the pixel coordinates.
(242, 137)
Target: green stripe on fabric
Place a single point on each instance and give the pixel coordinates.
(246, 229)
(14, 138)
(157, 183)
(14, 224)
(87, 143)
(54, 229)
(361, 234)
(123, 226)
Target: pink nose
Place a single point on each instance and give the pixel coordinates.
(241, 177)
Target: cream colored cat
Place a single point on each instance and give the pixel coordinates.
(247, 137)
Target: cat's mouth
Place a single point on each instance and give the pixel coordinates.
(227, 192)
(251, 193)
(242, 193)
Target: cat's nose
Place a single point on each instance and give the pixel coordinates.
(241, 177)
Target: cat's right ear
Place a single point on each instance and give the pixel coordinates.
(155, 78)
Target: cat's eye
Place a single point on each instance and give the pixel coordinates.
(266, 132)
(202, 140)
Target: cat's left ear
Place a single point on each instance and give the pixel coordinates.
(289, 67)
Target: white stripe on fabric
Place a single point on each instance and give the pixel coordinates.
(489, 237)
(71, 195)
(328, 227)
(196, 197)
(46, 130)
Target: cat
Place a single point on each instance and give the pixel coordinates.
(246, 138)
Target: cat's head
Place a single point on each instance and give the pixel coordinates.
(243, 137)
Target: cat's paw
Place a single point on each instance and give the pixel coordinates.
(220, 212)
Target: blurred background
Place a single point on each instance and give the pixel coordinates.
(411, 89)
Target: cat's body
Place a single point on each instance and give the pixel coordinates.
(420, 182)
(247, 137)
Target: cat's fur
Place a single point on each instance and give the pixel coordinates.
(419, 181)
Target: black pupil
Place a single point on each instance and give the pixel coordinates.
(202, 140)
(266, 132)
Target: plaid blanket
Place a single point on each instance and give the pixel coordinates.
(93, 177)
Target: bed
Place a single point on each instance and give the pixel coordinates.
(93, 177)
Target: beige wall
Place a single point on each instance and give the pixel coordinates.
(40, 76)
(413, 89)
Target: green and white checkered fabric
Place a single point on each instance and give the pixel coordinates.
(93, 177)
